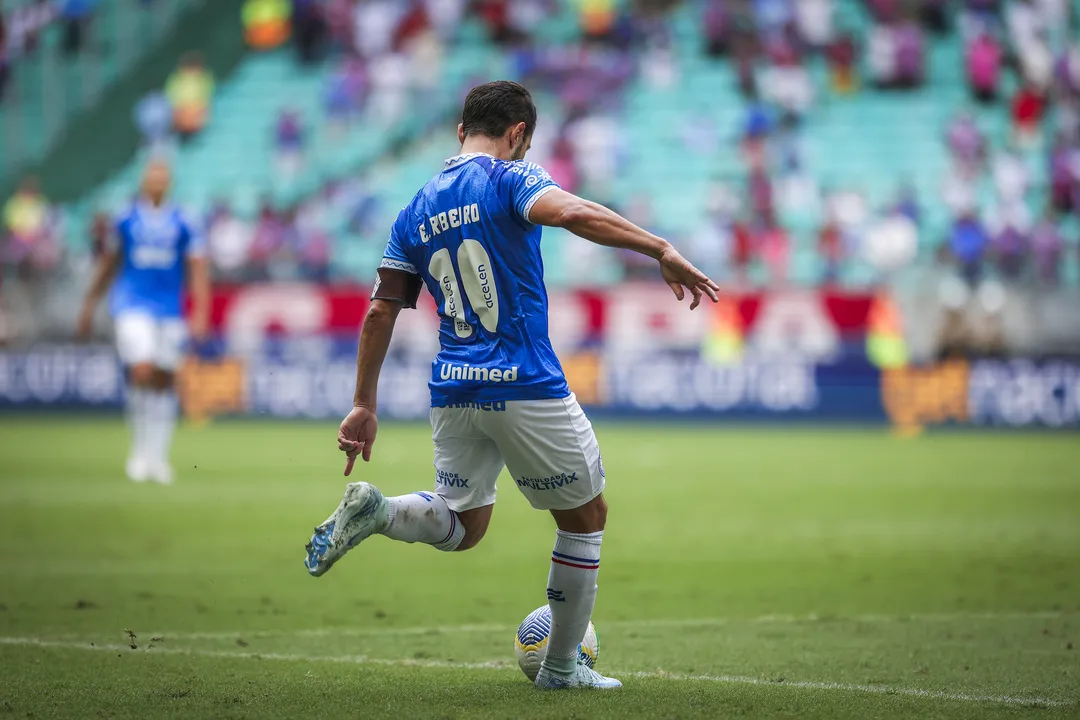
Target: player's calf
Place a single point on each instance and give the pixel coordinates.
(571, 590)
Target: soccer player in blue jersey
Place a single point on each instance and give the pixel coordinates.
(498, 394)
(155, 251)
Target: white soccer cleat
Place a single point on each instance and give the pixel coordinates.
(362, 513)
(162, 473)
(582, 677)
(137, 469)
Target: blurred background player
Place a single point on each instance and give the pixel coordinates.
(498, 393)
(154, 251)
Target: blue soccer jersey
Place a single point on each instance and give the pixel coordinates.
(467, 235)
(154, 246)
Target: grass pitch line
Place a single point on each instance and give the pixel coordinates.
(658, 623)
(503, 665)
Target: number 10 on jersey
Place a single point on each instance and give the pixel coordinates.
(478, 281)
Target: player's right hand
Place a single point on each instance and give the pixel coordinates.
(679, 273)
(357, 434)
(84, 328)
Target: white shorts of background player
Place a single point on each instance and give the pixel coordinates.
(142, 338)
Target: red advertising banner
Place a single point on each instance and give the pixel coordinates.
(625, 317)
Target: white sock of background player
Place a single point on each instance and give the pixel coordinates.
(571, 591)
(424, 517)
(161, 422)
(137, 418)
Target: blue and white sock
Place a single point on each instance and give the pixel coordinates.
(137, 420)
(424, 517)
(161, 409)
(571, 591)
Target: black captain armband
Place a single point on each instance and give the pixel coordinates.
(398, 286)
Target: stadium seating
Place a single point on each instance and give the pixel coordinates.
(47, 88)
(873, 141)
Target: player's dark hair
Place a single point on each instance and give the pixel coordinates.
(491, 108)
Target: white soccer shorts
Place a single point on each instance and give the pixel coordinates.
(547, 445)
(142, 338)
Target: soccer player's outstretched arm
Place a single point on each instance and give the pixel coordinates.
(357, 432)
(199, 271)
(598, 224)
(107, 267)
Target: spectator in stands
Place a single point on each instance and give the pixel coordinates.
(966, 143)
(76, 15)
(229, 239)
(1063, 178)
(1047, 246)
(786, 82)
(743, 250)
(744, 50)
(562, 166)
(1028, 109)
(374, 22)
(881, 55)
(907, 203)
(831, 250)
(891, 244)
(775, 248)
(718, 26)
(983, 61)
(266, 23)
(25, 25)
(910, 54)
(30, 243)
(190, 90)
(1012, 181)
(842, 54)
(935, 15)
(968, 243)
(289, 144)
(814, 20)
(313, 249)
(343, 98)
(309, 26)
(154, 119)
(759, 189)
(266, 243)
(1009, 246)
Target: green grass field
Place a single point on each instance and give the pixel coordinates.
(746, 573)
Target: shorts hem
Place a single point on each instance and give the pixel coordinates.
(576, 504)
(464, 505)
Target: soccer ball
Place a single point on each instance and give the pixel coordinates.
(530, 644)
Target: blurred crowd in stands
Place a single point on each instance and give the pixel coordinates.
(1022, 56)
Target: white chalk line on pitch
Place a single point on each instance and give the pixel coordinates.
(503, 665)
(658, 623)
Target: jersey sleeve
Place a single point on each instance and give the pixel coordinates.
(521, 184)
(397, 279)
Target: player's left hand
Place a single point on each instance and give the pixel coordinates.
(679, 273)
(357, 434)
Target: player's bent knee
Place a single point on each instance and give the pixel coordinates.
(476, 523)
(142, 374)
(588, 518)
(163, 379)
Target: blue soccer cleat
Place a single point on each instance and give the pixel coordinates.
(362, 512)
(582, 677)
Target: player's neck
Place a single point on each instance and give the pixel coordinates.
(484, 145)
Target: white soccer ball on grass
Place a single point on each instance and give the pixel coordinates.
(531, 642)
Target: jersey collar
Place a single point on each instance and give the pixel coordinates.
(459, 159)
